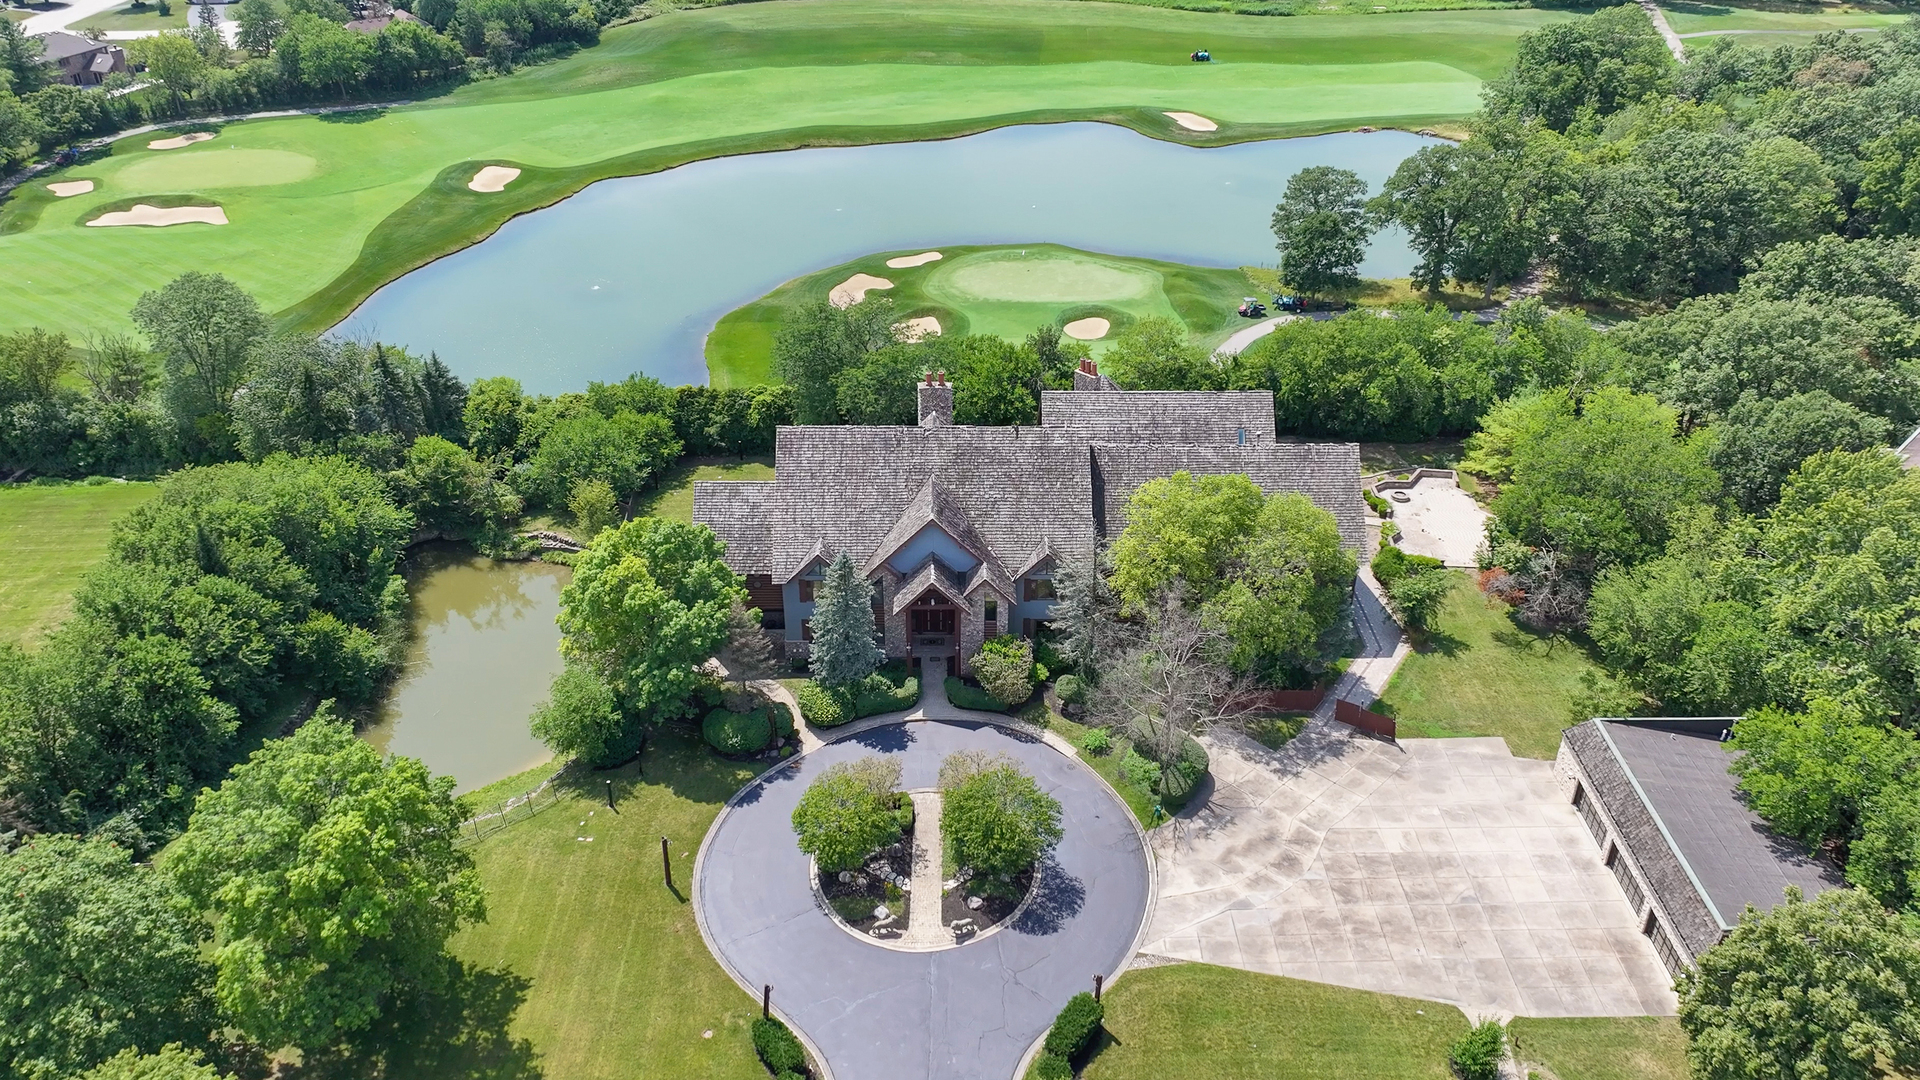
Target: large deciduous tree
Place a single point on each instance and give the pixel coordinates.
(582, 718)
(333, 880)
(1819, 989)
(204, 327)
(647, 605)
(1321, 229)
(996, 819)
(100, 956)
(850, 812)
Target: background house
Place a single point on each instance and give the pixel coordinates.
(81, 61)
(962, 528)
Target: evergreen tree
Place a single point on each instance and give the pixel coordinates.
(443, 401)
(1082, 613)
(395, 398)
(843, 648)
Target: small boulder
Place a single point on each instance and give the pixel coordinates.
(974, 903)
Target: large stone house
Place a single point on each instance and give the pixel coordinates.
(961, 528)
(81, 61)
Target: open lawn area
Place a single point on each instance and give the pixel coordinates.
(619, 982)
(674, 497)
(1479, 673)
(368, 196)
(142, 17)
(1603, 1047)
(1694, 18)
(51, 536)
(1006, 291)
(1200, 1022)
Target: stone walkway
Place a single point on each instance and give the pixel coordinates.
(1382, 649)
(925, 927)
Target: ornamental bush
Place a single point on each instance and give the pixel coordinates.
(1004, 667)
(962, 696)
(890, 689)
(1075, 1026)
(1477, 1054)
(850, 812)
(737, 733)
(1049, 1067)
(997, 820)
(778, 1049)
(823, 707)
(1180, 777)
(1070, 689)
(1096, 742)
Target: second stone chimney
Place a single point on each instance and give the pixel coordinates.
(1088, 377)
(936, 400)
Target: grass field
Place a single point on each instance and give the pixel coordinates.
(386, 190)
(1003, 290)
(1482, 674)
(1199, 1022)
(1695, 18)
(1603, 1047)
(674, 497)
(51, 536)
(618, 983)
(142, 17)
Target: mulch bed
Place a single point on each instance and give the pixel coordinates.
(995, 905)
(854, 901)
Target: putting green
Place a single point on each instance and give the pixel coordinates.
(387, 192)
(1005, 291)
(229, 167)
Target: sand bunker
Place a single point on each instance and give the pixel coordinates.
(854, 289)
(67, 189)
(919, 329)
(921, 259)
(1193, 121)
(1088, 329)
(142, 214)
(179, 141)
(493, 178)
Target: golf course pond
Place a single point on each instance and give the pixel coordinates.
(631, 274)
(483, 652)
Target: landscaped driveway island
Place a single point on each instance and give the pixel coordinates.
(966, 1012)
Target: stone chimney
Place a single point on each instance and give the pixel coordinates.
(1088, 377)
(936, 400)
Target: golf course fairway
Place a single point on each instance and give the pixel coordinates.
(1006, 291)
(325, 209)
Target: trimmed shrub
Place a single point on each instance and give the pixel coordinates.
(1139, 771)
(1070, 689)
(1179, 777)
(1050, 1067)
(1389, 564)
(1477, 1054)
(737, 733)
(969, 697)
(887, 690)
(1097, 742)
(781, 717)
(778, 1049)
(1004, 667)
(823, 707)
(1075, 1026)
(1039, 673)
(1378, 505)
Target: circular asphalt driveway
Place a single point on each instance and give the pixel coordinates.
(965, 1013)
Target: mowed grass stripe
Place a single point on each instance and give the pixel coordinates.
(805, 73)
(52, 536)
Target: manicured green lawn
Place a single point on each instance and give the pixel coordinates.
(143, 17)
(50, 537)
(1199, 1022)
(1004, 290)
(1482, 674)
(1138, 799)
(674, 497)
(366, 198)
(620, 984)
(1690, 18)
(1603, 1047)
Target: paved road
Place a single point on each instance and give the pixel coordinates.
(967, 1013)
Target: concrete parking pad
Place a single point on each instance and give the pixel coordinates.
(1444, 869)
(1440, 520)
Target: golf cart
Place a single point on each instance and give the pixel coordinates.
(1287, 303)
(1201, 56)
(1252, 308)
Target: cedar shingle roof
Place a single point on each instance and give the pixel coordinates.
(1222, 418)
(931, 575)
(1007, 493)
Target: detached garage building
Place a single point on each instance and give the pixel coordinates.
(1672, 827)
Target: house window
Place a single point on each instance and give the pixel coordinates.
(1037, 588)
(806, 591)
(993, 618)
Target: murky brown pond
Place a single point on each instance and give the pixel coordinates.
(485, 648)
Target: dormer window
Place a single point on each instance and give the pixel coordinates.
(806, 591)
(1036, 588)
